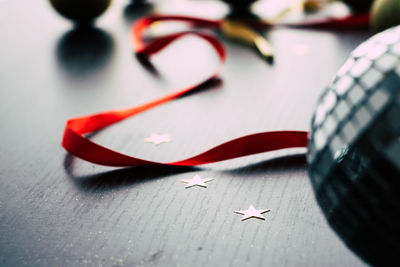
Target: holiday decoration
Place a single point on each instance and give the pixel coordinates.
(252, 212)
(76, 141)
(196, 180)
(80, 10)
(240, 8)
(354, 145)
(158, 139)
(354, 150)
(385, 14)
(359, 5)
(241, 32)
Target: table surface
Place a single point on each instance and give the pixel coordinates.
(56, 210)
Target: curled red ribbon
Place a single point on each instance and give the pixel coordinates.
(75, 142)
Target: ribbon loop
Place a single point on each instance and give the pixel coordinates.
(77, 144)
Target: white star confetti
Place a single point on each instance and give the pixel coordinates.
(196, 180)
(158, 139)
(252, 212)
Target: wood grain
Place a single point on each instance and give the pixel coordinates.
(59, 211)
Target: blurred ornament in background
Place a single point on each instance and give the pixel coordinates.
(80, 11)
(136, 9)
(83, 51)
(240, 8)
(354, 150)
(385, 14)
(359, 5)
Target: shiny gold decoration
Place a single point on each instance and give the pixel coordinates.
(241, 32)
(385, 14)
(311, 6)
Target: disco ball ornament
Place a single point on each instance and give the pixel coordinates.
(80, 11)
(354, 150)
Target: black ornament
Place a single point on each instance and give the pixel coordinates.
(80, 11)
(240, 8)
(359, 5)
(354, 150)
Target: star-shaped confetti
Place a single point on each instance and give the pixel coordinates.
(196, 180)
(252, 212)
(158, 138)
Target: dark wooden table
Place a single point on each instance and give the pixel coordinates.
(59, 211)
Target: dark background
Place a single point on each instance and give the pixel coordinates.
(59, 211)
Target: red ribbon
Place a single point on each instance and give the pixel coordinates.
(75, 142)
